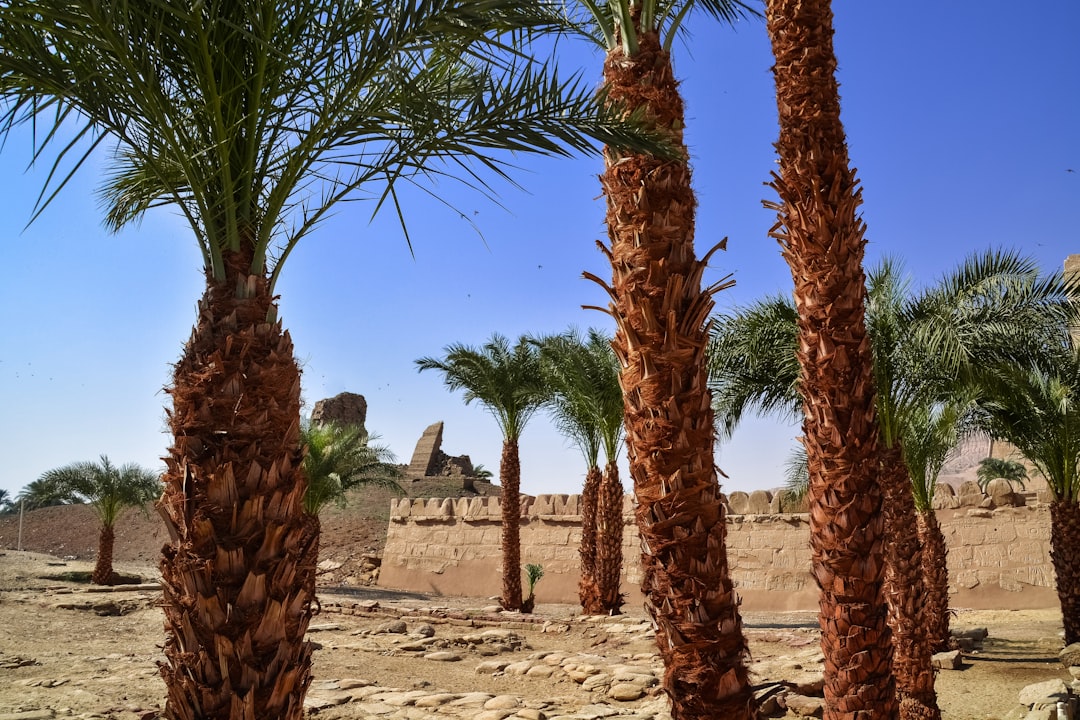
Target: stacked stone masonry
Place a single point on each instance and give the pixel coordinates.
(999, 548)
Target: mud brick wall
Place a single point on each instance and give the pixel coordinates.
(998, 558)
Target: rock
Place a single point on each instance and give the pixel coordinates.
(329, 565)
(437, 700)
(473, 699)
(397, 627)
(490, 667)
(443, 656)
(1042, 713)
(28, 715)
(975, 633)
(625, 692)
(948, 660)
(1074, 670)
(321, 627)
(519, 668)
(540, 671)
(493, 715)
(349, 409)
(1000, 492)
(596, 682)
(424, 630)
(1044, 693)
(324, 700)
(503, 702)
(1070, 656)
(530, 714)
(805, 706)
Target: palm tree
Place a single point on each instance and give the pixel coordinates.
(508, 382)
(661, 313)
(1037, 408)
(582, 377)
(109, 490)
(920, 406)
(39, 494)
(253, 119)
(339, 458)
(993, 468)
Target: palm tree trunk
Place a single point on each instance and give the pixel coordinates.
(906, 592)
(822, 240)
(238, 573)
(103, 568)
(1064, 540)
(588, 591)
(936, 579)
(510, 503)
(661, 313)
(609, 535)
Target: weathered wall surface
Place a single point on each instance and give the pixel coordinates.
(998, 558)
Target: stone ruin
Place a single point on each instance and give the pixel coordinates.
(429, 460)
(349, 409)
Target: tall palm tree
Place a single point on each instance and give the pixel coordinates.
(823, 241)
(1036, 407)
(253, 118)
(508, 382)
(661, 312)
(582, 377)
(920, 405)
(109, 490)
(339, 458)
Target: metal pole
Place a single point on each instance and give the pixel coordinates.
(22, 508)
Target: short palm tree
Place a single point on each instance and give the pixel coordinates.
(1037, 408)
(661, 311)
(507, 381)
(993, 468)
(252, 119)
(109, 490)
(582, 379)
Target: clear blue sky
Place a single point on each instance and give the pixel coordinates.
(963, 119)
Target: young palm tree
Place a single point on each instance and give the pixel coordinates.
(109, 490)
(1037, 409)
(339, 458)
(508, 382)
(993, 468)
(253, 118)
(582, 377)
(661, 313)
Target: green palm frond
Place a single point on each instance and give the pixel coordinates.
(752, 362)
(104, 486)
(255, 117)
(506, 380)
(339, 458)
(585, 399)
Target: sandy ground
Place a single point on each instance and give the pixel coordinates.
(77, 652)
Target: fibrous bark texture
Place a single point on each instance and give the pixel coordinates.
(1064, 541)
(103, 568)
(510, 504)
(905, 592)
(661, 313)
(238, 574)
(823, 241)
(588, 590)
(936, 579)
(609, 535)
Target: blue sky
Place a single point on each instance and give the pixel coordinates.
(963, 119)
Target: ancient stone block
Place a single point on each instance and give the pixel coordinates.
(739, 502)
(758, 502)
(344, 408)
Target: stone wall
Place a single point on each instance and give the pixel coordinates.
(998, 557)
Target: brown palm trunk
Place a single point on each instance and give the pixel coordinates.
(661, 314)
(588, 590)
(936, 579)
(103, 568)
(822, 240)
(609, 535)
(905, 591)
(1064, 541)
(510, 503)
(238, 573)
